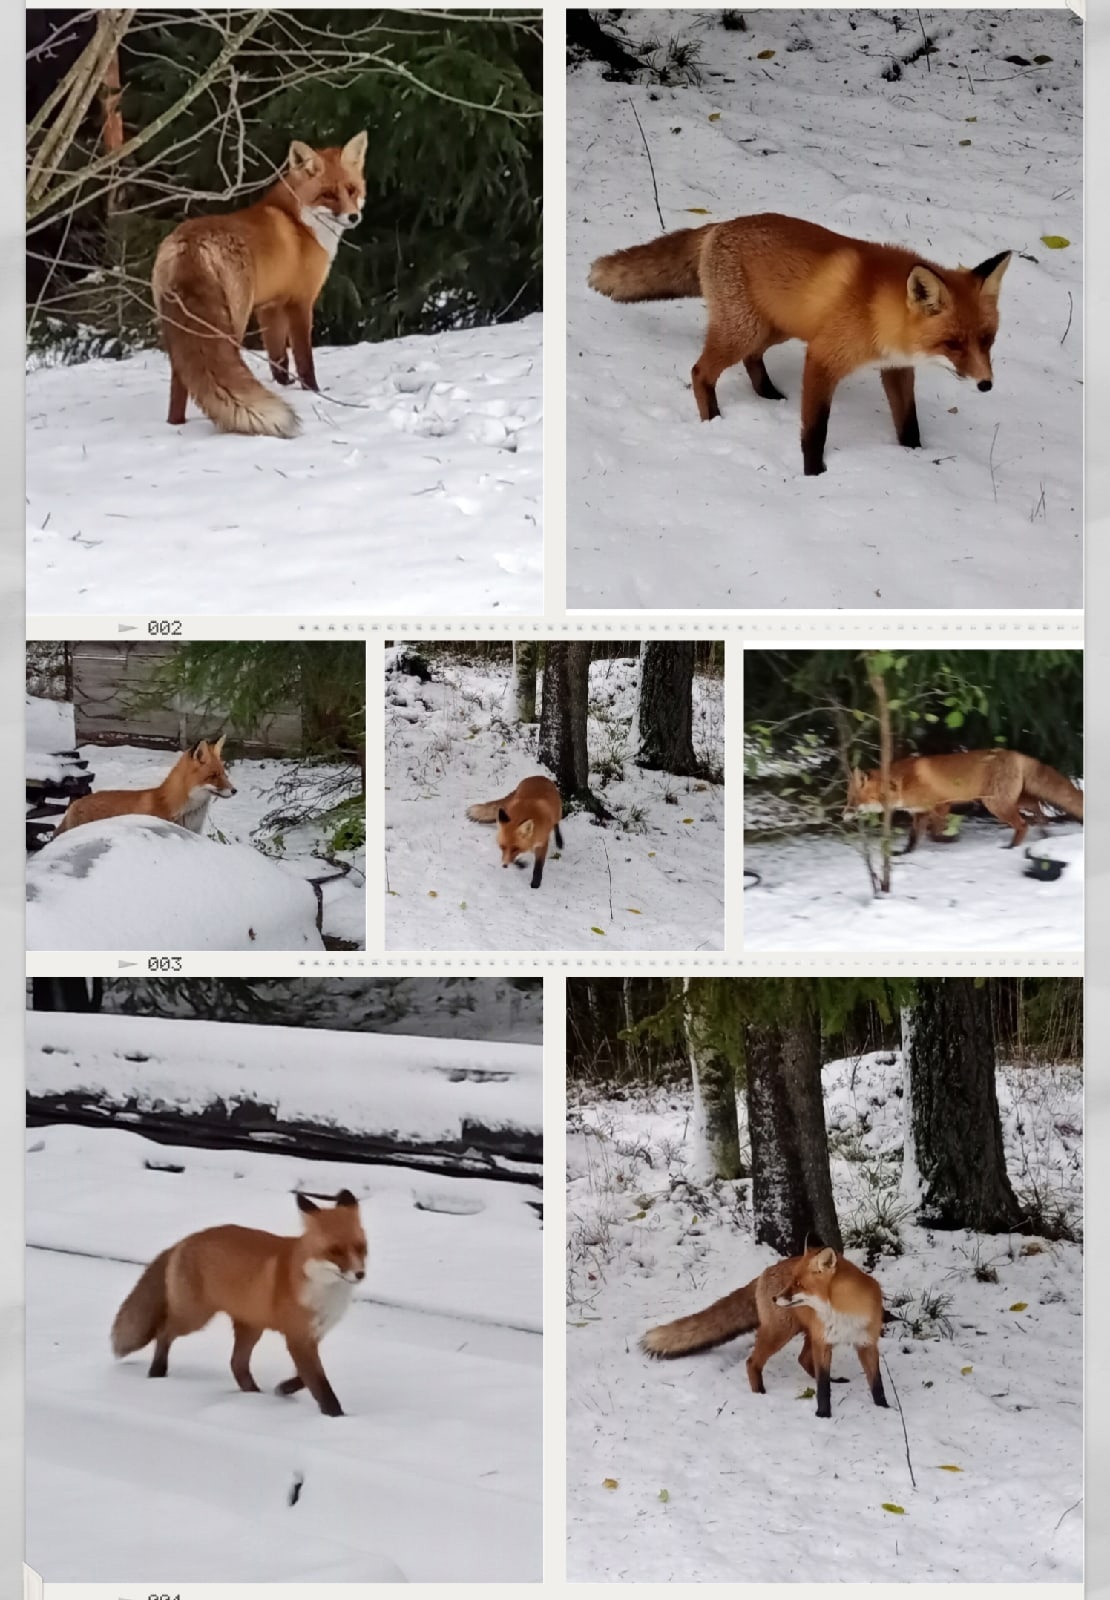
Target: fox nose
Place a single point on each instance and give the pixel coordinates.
(360, 1274)
(352, 218)
(984, 385)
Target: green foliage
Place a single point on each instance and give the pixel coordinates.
(940, 700)
(248, 681)
(718, 1009)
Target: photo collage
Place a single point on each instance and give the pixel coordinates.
(554, 754)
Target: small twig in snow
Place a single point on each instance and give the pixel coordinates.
(1071, 1508)
(902, 1414)
(651, 164)
(925, 42)
(609, 870)
(994, 441)
(1067, 330)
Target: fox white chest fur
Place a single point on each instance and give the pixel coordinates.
(326, 1293)
(840, 1327)
(195, 814)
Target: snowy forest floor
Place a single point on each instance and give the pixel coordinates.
(422, 494)
(962, 155)
(433, 1475)
(271, 795)
(814, 894)
(676, 1472)
(653, 879)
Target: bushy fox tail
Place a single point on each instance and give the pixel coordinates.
(724, 1320)
(198, 331)
(144, 1311)
(665, 269)
(487, 811)
(1045, 783)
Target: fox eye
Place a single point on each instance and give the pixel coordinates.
(954, 345)
(987, 340)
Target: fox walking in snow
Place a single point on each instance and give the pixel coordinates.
(298, 1287)
(196, 778)
(271, 258)
(820, 1295)
(1005, 781)
(526, 820)
(766, 279)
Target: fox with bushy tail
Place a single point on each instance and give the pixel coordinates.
(271, 258)
(768, 278)
(298, 1286)
(820, 1294)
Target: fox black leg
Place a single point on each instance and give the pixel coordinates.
(537, 869)
(558, 837)
(898, 385)
(823, 1363)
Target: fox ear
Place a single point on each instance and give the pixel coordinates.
(353, 153)
(926, 292)
(527, 828)
(346, 1198)
(825, 1261)
(219, 744)
(302, 158)
(502, 814)
(306, 1205)
(990, 274)
(197, 752)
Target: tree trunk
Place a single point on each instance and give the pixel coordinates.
(562, 744)
(586, 34)
(525, 657)
(665, 734)
(956, 1129)
(66, 994)
(791, 1183)
(713, 1070)
(886, 753)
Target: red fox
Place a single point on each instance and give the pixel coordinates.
(766, 279)
(1005, 781)
(525, 819)
(819, 1294)
(298, 1287)
(271, 258)
(183, 796)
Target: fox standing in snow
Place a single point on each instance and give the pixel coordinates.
(819, 1294)
(271, 258)
(298, 1287)
(184, 795)
(526, 820)
(1005, 781)
(767, 278)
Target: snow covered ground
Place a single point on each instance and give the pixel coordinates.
(422, 494)
(433, 1475)
(249, 818)
(676, 1472)
(971, 894)
(650, 880)
(965, 155)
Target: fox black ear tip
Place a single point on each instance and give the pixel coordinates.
(346, 1198)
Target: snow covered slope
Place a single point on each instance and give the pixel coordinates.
(259, 815)
(964, 155)
(139, 883)
(421, 494)
(707, 1481)
(413, 1088)
(650, 880)
(433, 1475)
